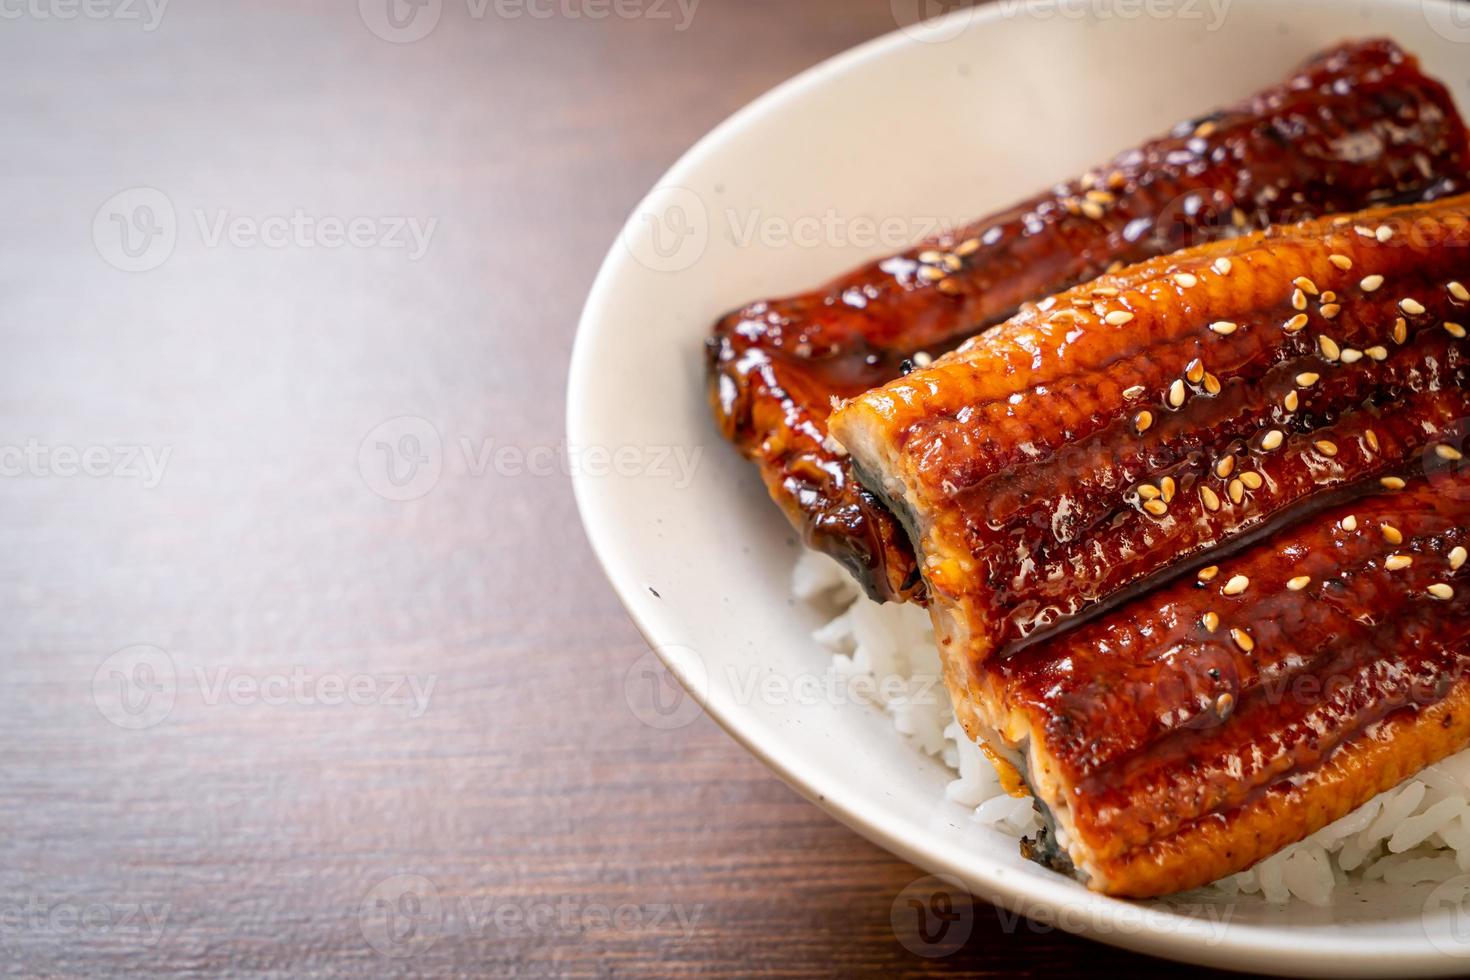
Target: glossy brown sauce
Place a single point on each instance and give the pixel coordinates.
(1359, 125)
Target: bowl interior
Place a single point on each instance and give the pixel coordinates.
(858, 158)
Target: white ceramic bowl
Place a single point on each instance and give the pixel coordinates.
(855, 158)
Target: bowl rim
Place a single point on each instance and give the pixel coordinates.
(1281, 949)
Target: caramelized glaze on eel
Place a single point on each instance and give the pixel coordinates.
(1151, 509)
(1356, 126)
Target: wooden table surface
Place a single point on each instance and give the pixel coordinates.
(263, 717)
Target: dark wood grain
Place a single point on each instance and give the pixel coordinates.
(259, 832)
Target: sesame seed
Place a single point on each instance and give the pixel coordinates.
(1156, 507)
(1454, 330)
(1223, 265)
(1384, 233)
(1243, 640)
(1176, 393)
(1210, 621)
(949, 287)
(1307, 378)
(923, 358)
(1133, 391)
(1224, 327)
(1350, 523)
(1296, 324)
(1208, 573)
(1187, 280)
(1224, 703)
(1457, 557)
(930, 256)
(1166, 487)
(1299, 583)
(1148, 491)
(1224, 466)
(1328, 296)
(1351, 355)
(1093, 210)
(1329, 348)
(1459, 292)
(1341, 261)
(1212, 384)
(1325, 447)
(929, 273)
(967, 247)
(1298, 299)
(1101, 197)
(1210, 497)
(1396, 562)
(1118, 317)
(1236, 585)
(1371, 438)
(1448, 452)
(1236, 490)
(1116, 179)
(1441, 591)
(1378, 352)
(1411, 306)
(1291, 401)
(1143, 420)
(1331, 310)
(1391, 534)
(953, 263)
(1205, 129)
(1195, 371)
(1371, 284)
(1361, 230)
(1104, 291)
(1305, 285)
(1392, 483)
(1251, 479)
(1400, 330)
(1272, 440)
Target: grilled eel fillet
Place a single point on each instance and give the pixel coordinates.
(1194, 537)
(1356, 126)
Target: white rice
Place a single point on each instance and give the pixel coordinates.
(1419, 831)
